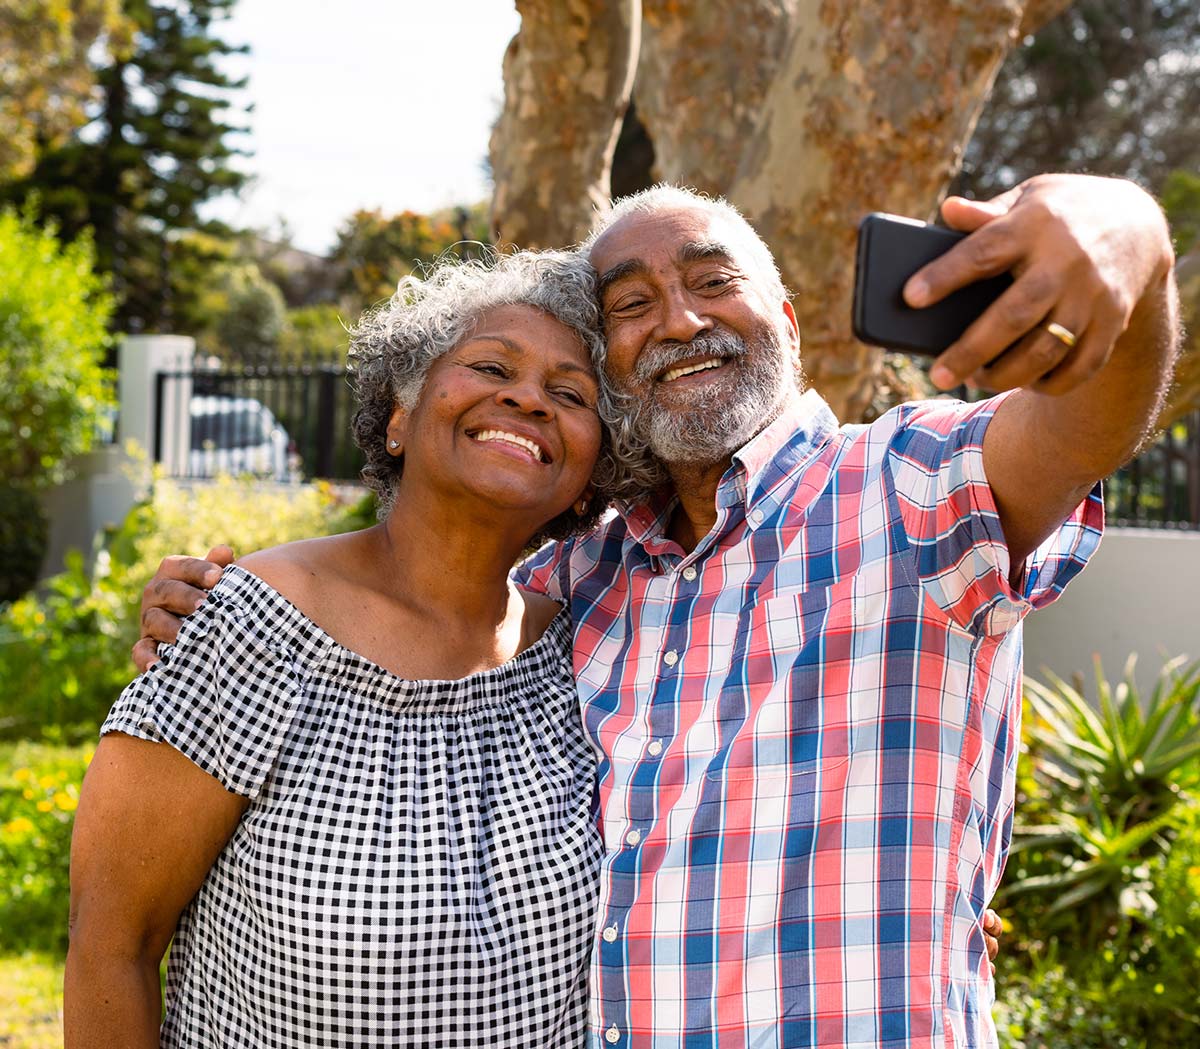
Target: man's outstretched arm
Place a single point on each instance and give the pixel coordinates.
(1087, 335)
(177, 589)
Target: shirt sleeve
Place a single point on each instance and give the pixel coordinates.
(223, 695)
(952, 526)
(546, 571)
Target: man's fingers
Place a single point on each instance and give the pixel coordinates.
(991, 250)
(145, 654)
(192, 570)
(180, 598)
(992, 928)
(968, 215)
(221, 555)
(160, 625)
(999, 331)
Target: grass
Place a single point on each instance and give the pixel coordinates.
(31, 1002)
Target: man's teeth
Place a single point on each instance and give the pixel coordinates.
(688, 369)
(512, 438)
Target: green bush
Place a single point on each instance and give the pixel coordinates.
(1102, 893)
(53, 316)
(39, 790)
(64, 654)
(24, 533)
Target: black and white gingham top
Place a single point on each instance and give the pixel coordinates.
(418, 865)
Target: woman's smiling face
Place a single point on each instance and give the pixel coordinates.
(507, 416)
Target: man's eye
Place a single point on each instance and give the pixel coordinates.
(627, 305)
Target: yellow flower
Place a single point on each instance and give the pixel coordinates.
(46, 782)
(65, 802)
(20, 825)
(45, 806)
(21, 775)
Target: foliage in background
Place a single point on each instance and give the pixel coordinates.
(156, 149)
(314, 335)
(1103, 889)
(64, 654)
(45, 77)
(1180, 198)
(53, 317)
(248, 329)
(39, 791)
(1111, 87)
(375, 250)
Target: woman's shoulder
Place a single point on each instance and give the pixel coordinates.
(299, 570)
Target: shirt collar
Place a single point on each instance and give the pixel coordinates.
(757, 470)
(773, 454)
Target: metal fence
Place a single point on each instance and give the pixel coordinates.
(286, 423)
(1161, 487)
(291, 423)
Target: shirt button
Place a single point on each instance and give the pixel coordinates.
(689, 573)
(633, 837)
(756, 516)
(610, 934)
(655, 748)
(671, 658)
(612, 1035)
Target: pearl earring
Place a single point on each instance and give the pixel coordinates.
(581, 507)
(393, 443)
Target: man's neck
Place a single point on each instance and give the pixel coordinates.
(696, 513)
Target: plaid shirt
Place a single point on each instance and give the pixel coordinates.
(807, 733)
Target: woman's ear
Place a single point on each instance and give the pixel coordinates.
(584, 502)
(397, 430)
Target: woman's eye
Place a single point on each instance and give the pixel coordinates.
(487, 368)
(574, 396)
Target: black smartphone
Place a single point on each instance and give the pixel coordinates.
(890, 250)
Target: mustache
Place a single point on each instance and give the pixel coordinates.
(657, 358)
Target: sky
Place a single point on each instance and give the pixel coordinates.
(361, 104)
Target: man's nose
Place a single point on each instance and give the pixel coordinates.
(682, 317)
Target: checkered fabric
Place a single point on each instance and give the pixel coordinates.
(418, 864)
(808, 731)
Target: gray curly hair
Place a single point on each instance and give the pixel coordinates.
(394, 345)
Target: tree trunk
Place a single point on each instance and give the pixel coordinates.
(870, 111)
(703, 73)
(567, 78)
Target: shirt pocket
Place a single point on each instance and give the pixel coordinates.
(783, 710)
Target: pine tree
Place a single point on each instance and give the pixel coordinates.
(158, 147)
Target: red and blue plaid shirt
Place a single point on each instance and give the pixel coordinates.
(807, 730)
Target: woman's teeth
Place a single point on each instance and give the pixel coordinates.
(512, 438)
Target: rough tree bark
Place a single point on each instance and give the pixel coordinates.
(864, 114)
(567, 78)
(703, 73)
(805, 113)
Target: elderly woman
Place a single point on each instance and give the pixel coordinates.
(356, 791)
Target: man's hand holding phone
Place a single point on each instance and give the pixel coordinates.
(1077, 276)
(1060, 282)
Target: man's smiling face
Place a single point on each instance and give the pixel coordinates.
(695, 334)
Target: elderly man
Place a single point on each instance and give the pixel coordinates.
(799, 661)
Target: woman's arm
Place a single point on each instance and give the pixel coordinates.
(149, 827)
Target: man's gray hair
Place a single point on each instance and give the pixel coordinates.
(666, 197)
(394, 345)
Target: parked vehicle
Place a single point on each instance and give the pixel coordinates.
(239, 435)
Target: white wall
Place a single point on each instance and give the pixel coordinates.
(1140, 593)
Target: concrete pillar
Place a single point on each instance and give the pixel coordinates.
(140, 358)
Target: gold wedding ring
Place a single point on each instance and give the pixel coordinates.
(1063, 335)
